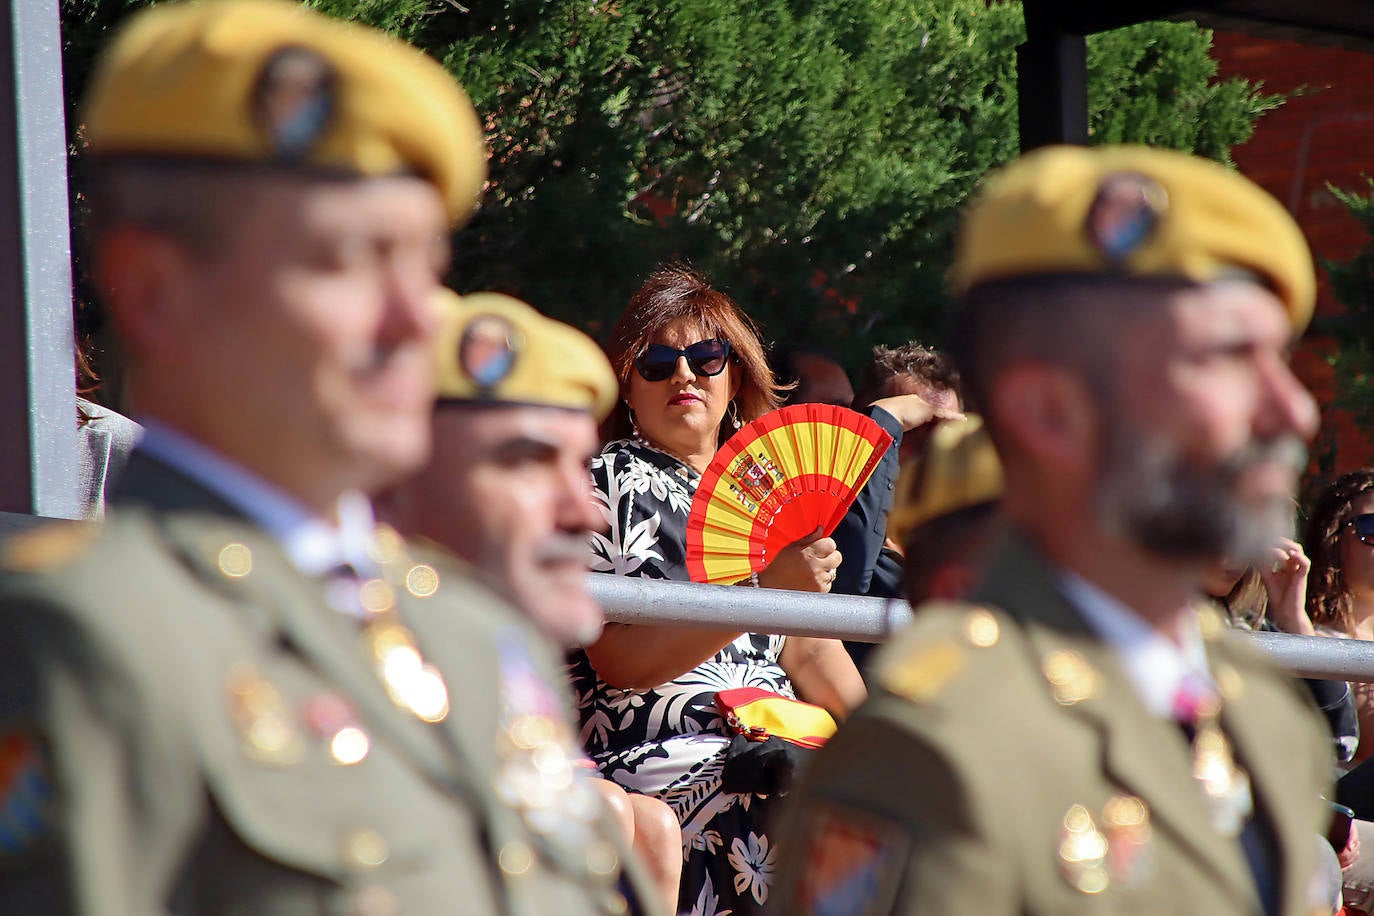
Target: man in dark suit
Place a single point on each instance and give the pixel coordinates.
(239, 695)
(1078, 737)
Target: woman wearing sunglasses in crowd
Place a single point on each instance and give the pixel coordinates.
(692, 370)
(1339, 538)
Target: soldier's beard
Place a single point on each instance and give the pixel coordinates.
(1151, 495)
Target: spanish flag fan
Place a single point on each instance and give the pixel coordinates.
(775, 482)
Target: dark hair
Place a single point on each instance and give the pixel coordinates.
(675, 293)
(931, 369)
(188, 200)
(785, 361)
(1328, 600)
(1073, 321)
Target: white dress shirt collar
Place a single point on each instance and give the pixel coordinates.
(1155, 665)
(313, 544)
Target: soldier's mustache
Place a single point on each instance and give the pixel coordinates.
(563, 548)
(1288, 451)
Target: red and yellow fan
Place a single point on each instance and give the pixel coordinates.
(776, 481)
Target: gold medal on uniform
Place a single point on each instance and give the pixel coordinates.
(412, 683)
(541, 774)
(1225, 786)
(1083, 852)
(330, 717)
(1126, 824)
(266, 732)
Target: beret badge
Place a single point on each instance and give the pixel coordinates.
(294, 100)
(487, 350)
(1124, 214)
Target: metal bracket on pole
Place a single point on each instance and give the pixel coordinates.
(38, 450)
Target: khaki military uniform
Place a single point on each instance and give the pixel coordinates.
(187, 726)
(1006, 765)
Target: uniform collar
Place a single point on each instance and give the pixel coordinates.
(1156, 666)
(313, 544)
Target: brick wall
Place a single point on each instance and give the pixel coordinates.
(1324, 135)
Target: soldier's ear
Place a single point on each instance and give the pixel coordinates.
(1046, 413)
(142, 278)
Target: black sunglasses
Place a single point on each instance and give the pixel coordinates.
(705, 357)
(1364, 527)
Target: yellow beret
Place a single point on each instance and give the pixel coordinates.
(1133, 211)
(269, 81)
(493, 349)
(960, 470)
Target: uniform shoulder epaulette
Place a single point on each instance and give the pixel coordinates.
(922, 665)
(47, 546)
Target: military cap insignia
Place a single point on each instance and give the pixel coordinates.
(1124, 214)
(46, 546)
(294, 100)
(854, 862)
(25, 792)
(487, 350)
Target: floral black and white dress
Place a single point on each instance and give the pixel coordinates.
(670, 742)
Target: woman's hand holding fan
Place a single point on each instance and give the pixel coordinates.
(777, 481)
(807, 565)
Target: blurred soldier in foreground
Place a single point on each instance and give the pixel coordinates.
(1078, 738)
(507, 490)
(238, 697)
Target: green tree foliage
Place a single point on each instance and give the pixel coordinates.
(1352, 283)
(811, 157)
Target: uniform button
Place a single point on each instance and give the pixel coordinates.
(349, 745)
(375, 900)
(376, 596)
(617, 905)
(981, 628)
(422, 580)
(364, 848)
(235, 560)
(515, 858)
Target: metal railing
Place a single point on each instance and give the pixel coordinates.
(765, 610)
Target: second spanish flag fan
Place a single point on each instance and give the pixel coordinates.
(776, 481)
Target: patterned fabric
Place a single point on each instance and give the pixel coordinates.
(670, 742)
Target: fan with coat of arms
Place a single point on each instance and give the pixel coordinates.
(775, 482)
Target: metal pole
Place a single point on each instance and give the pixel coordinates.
(1051, 81)
(766, 610)
(756, 610)
(38, 458)
(1321, 657)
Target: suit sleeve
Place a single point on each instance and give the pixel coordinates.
(886, 822)
(91, 771)
(861, 532)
